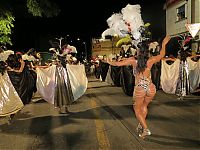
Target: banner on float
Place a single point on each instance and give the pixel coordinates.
(193, 28)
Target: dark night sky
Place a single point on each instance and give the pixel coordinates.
(82, 19)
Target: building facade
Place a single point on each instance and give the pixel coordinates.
(104, 46)
(178, 14)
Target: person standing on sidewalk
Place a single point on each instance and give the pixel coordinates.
(144, 90)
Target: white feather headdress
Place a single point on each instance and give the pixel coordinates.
(118, 22)
(132, 15)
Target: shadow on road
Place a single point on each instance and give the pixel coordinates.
(173, 141)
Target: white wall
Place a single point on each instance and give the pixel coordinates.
(173, 26)
(197, 13)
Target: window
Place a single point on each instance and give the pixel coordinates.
(181, 13)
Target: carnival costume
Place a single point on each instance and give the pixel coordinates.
(10, 102)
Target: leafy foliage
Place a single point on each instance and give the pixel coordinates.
(6, 23)
(38, 8)
(34, 8)
(42, 7)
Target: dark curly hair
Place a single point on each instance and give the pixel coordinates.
(3, 67)
(13, 61)
(142, 57)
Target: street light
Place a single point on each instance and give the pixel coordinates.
(60, 41)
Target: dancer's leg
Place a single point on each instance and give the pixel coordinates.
(139, 95)
(148, 98)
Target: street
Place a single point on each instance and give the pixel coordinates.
(103, 118)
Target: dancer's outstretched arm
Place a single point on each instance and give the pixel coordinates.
(163, 50)
(124, 62)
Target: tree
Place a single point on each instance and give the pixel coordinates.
(11, 8)
(6, 23)
(42, 8)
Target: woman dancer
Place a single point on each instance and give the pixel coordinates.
(144, 90)
(21, 77)
(10, 102)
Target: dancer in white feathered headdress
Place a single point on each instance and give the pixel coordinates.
(128, 22)
(132, 16)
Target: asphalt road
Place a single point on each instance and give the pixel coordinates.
(103, 118)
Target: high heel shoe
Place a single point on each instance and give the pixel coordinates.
(139, 128)
(145, 133)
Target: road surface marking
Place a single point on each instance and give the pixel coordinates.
(100, 129)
